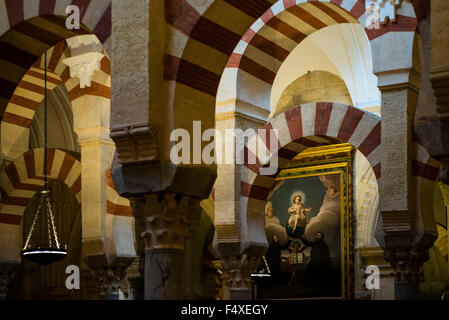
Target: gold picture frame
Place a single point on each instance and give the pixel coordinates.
(331, 163)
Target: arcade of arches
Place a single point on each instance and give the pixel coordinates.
(360, 118)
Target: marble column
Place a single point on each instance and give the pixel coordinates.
(136, 279)
(406, 242)
(166, 229)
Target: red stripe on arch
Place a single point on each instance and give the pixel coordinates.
(83, 5)
(104, 26)
(15, 11)
(337, 2)
(359, 9)
(234, 60)
(58, 51)
(46, 7)
(251, 161)
(66, 166)
(425, 171)
(181, 15)
(257, 70)
(294, 123)
(10, 219)
(372, 141)
(322, 117)
(402, 24)
(350, 123)
(252, 191)
(76, 186)
(266, 138)
(96, 89)
(13, 176)
(377, 170)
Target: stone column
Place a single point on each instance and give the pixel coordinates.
(236, 276)
(109, 279)
(406, 259)
(136, 279)
(439, 76)
(166, 228)
(8, 272)
(397, 193)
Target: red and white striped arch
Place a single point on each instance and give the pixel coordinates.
(30, 92)
(23, 177)
(310, 122)
(19, 182)
(255, 61)
(321, 121)
(116, 205)
(94, 14)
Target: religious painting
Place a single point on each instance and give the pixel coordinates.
(308, 228)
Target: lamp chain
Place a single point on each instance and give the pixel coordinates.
(45, 127)
(32, 226)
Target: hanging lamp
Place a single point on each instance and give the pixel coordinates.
(44, 251)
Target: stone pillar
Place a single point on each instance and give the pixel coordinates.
(406, 261)
(109, 279)
(400, 215)
(106, 276)
(166, 217)
(236, 276)
(89, 285)
(8, 272)
(136, 279)
(439, 76)
(161, 192)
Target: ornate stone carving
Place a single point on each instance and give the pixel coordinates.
(84, 66)
(166, 219)
(86, 56)
(405, 257)
(109, 279)
(384, 9)
(237, 271)
(136, 143)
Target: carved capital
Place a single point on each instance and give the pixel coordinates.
(108, 274)
(136, 143)
(405, 257)
(384, 9)
(237, 271)
(84, 66)
(86, 51)
(109, 279)
(166, 219)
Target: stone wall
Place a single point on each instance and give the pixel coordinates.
(315, 86)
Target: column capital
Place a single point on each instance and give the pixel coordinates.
(166, 219)
(237, 271)
(86, 56)
(108, 275)
(405, 257)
